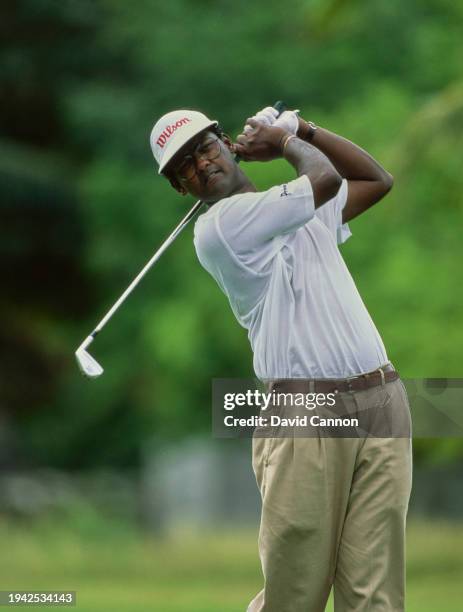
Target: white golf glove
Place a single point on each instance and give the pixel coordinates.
(289, 121)
(266, 116)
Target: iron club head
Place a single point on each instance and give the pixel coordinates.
(87, 364)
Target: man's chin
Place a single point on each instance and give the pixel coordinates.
(217, 188)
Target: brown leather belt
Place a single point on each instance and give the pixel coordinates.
(381, 376)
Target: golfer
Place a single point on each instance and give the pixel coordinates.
(333, 507)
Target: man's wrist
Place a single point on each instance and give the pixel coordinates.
(282, 140)
(306, 130)
(285, 143)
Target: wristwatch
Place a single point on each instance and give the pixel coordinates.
(311, 131)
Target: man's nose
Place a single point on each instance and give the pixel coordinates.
(201, 162)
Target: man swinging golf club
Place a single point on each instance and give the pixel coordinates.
(333, 508)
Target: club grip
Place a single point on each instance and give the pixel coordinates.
(279, 106)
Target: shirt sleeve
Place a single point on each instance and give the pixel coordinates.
(253, 219)
(331, 214)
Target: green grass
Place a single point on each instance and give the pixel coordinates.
(116, 570)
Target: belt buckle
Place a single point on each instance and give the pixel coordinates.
(381, 373)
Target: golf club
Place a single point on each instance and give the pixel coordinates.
(87, 364)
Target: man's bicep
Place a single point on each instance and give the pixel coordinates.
(360, 196)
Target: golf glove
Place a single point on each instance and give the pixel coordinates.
(289, 121)
(266, 116)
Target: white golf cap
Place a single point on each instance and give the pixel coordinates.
(173, 130)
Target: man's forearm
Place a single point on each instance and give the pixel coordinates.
(309, 160)
(306, 158)
(351, 161)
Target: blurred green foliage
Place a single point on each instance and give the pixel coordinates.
(82, 207)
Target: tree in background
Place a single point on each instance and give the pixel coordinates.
(83, 209)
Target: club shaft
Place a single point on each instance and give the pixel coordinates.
(165, 245)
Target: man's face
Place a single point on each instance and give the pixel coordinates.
(205, 168)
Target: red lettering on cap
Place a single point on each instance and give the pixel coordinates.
(169, 130)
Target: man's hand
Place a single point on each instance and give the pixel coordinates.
(267, 116)
(260, 142)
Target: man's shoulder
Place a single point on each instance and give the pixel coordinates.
(215, 229)
(207, 222)
(207, 239)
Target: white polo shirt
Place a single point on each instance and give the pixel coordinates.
(277, 260)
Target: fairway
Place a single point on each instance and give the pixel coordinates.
(114, 569)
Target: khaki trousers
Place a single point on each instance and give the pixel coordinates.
(333, 515)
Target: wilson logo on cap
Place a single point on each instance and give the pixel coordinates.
(169, 130)
(173, 130)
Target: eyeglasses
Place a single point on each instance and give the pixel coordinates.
(210, 149)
